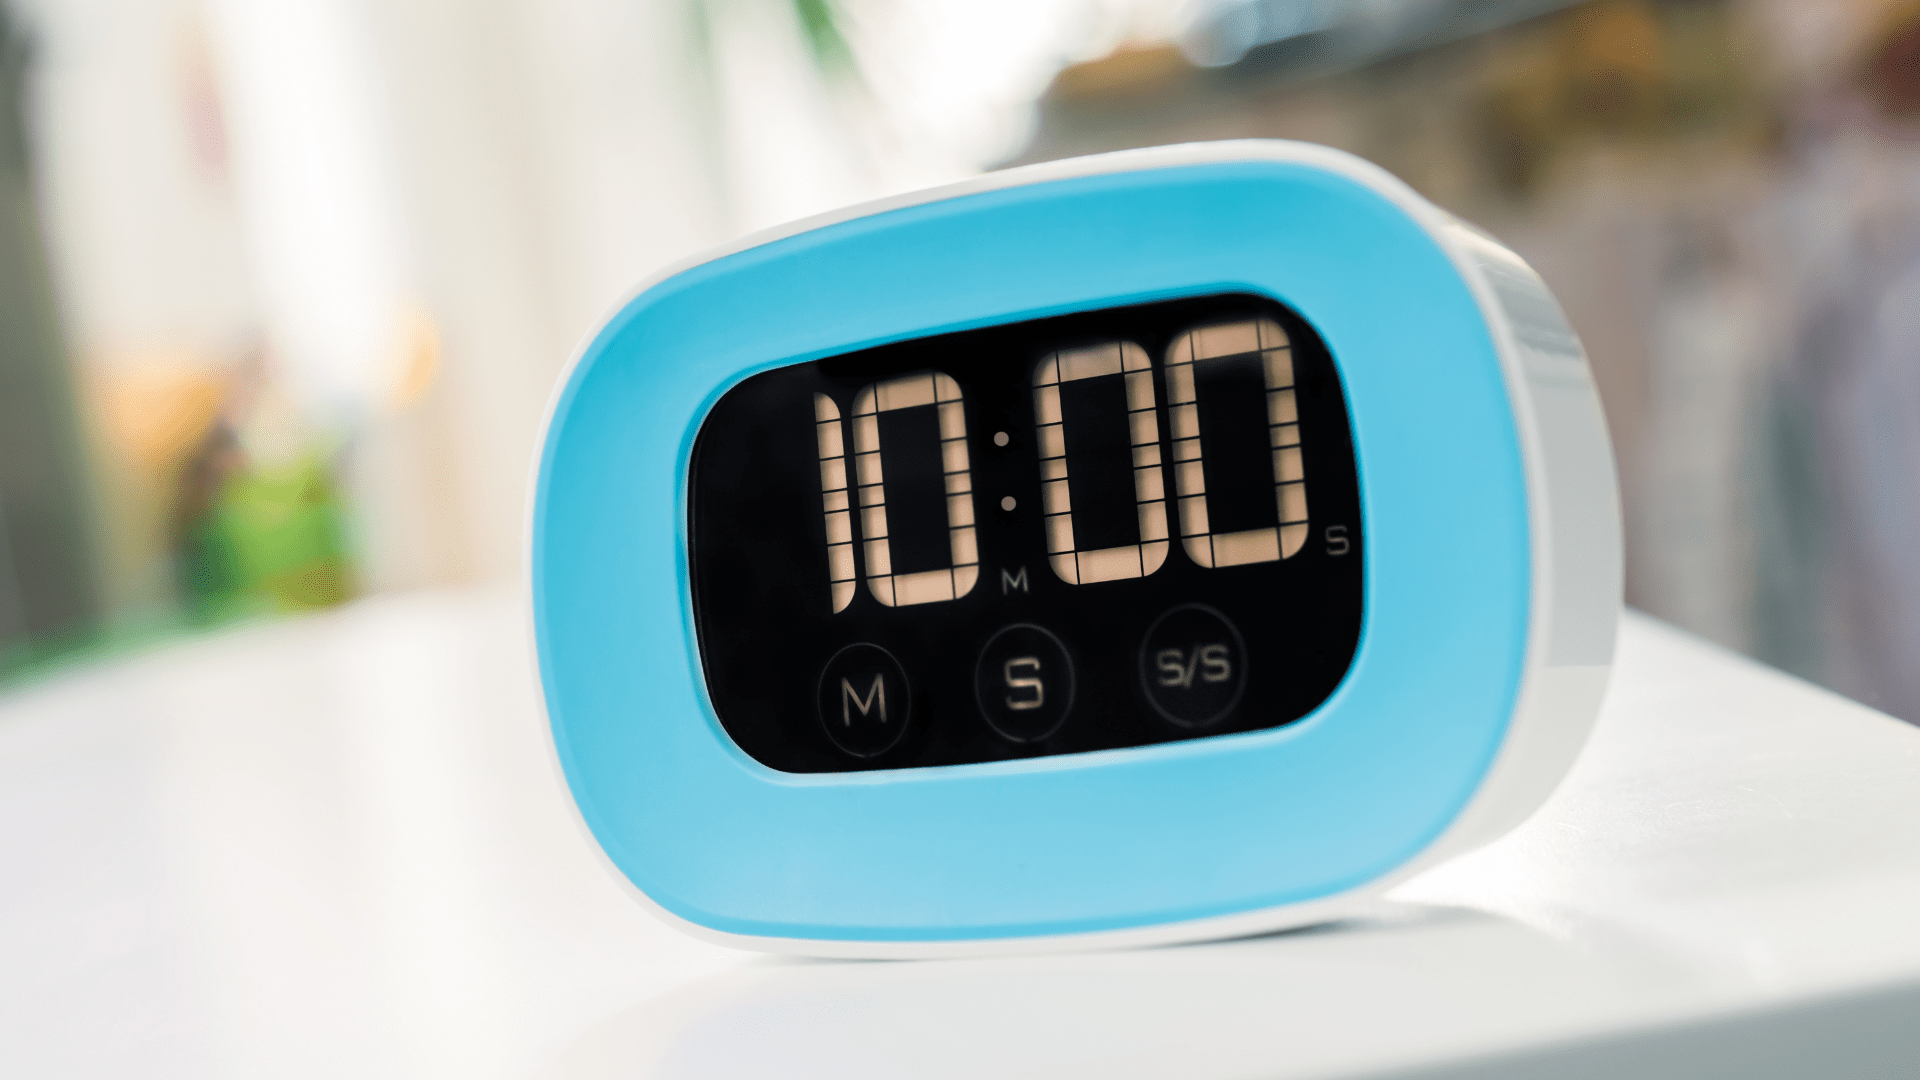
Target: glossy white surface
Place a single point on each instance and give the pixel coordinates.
(335, 847)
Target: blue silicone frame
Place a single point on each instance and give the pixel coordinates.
(1057, 845)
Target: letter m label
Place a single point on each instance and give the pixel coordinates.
(876, 699)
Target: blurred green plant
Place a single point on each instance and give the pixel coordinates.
(823, 25)
(250, 541)
(255, 538)
(823, 22)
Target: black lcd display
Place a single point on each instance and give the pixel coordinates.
(1100, 530)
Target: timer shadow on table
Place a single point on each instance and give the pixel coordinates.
(1178, 1011)
(1314, 1001)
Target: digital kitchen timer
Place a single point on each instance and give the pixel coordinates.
(1170, 544)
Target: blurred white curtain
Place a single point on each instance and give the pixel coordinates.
(511, 167)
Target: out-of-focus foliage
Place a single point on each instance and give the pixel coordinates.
(821, 20)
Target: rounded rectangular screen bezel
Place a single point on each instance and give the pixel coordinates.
(763, 650)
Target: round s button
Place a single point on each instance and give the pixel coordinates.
(1023, 683)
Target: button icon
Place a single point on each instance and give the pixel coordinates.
(864, 700)
(1023, 683)
(1193, 665)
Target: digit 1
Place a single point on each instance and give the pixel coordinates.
(938, 391)
(1112, 360)
(833, 493)
(1237, 342)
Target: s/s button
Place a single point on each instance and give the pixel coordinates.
(1193, 665)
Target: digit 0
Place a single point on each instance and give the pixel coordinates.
(1117, 430)
(1220, 371)
(937, 391)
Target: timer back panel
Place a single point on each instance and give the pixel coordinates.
(1102, 530)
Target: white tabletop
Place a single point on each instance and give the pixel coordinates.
(335, 847)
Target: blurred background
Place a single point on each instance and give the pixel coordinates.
(284, 284)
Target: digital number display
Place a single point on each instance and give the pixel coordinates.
(1095, 531)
